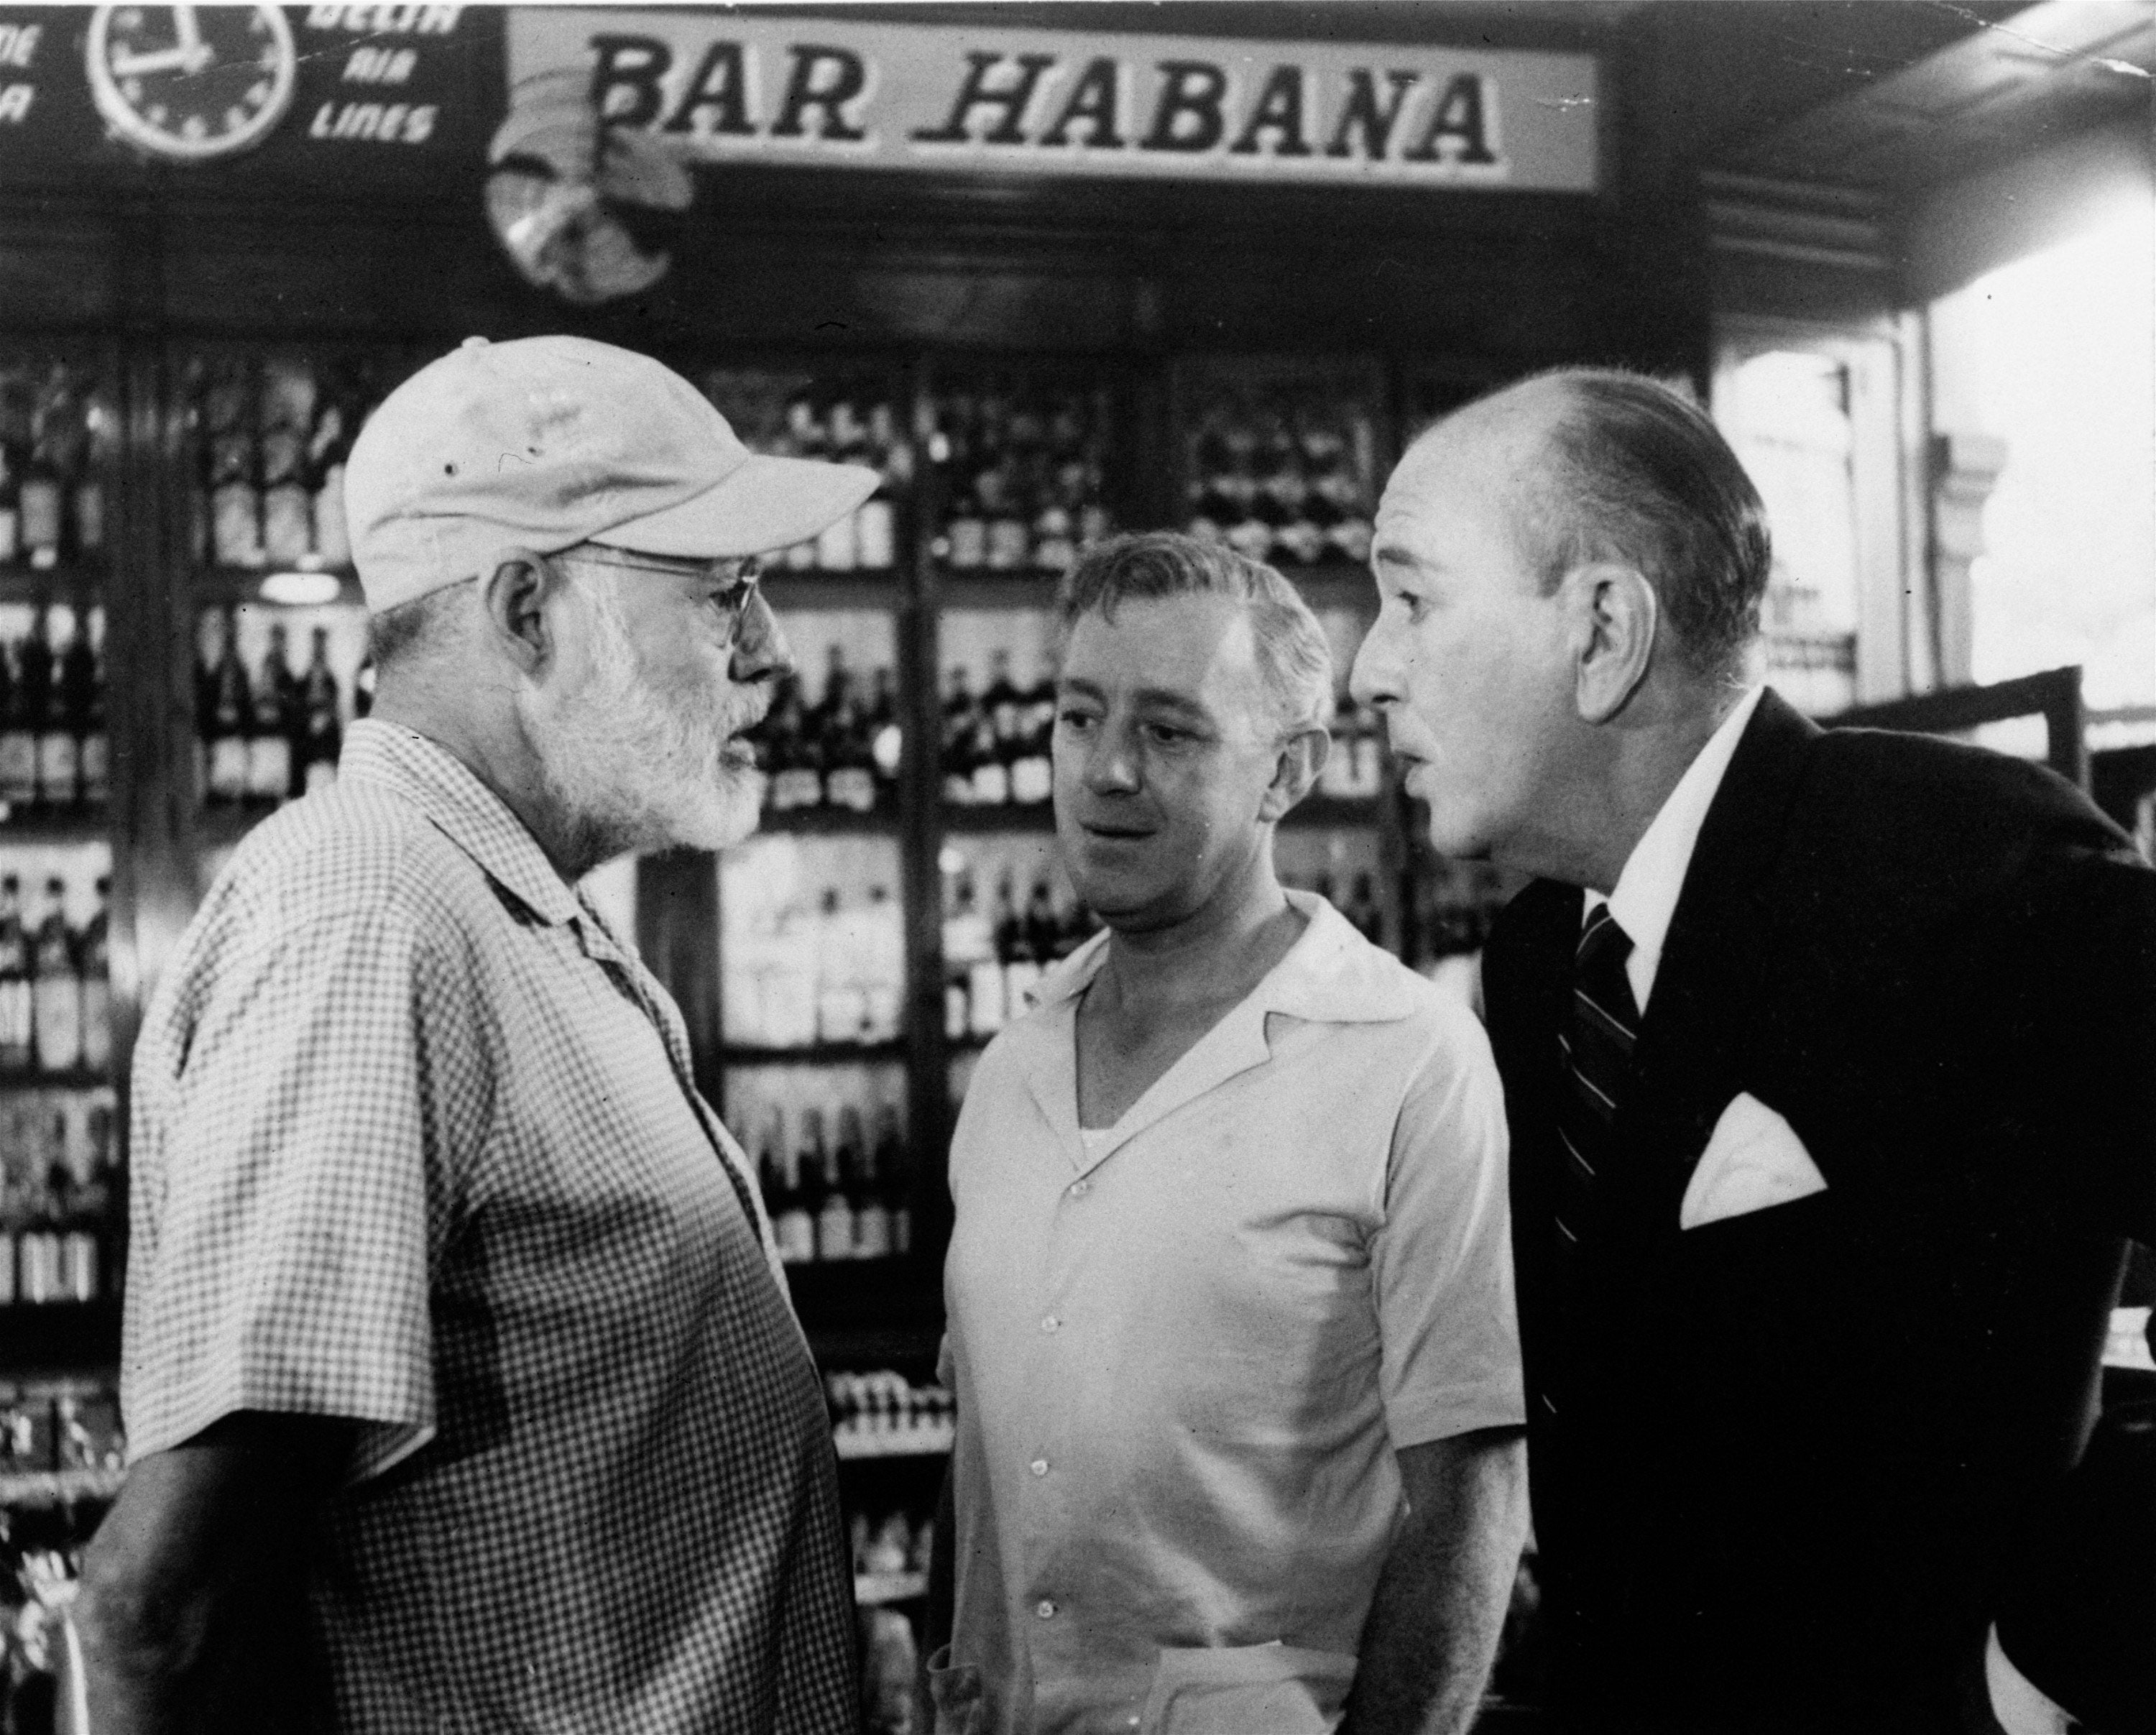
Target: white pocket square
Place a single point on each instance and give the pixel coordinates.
(1755, 1159)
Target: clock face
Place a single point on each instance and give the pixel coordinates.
(191, 82)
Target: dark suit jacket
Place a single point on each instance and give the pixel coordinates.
(1795, 1446)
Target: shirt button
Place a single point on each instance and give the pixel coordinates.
(1038, 1466)
(1079, 1189)
(1044, 1609)
(1051, 1324)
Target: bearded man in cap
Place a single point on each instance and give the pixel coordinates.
(449, 1295)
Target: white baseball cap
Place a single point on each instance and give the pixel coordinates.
(542, 442)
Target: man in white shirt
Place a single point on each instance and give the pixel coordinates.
(1827, 1065)
(1231, 1321)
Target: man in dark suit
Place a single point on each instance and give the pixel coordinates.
(1831, 1063)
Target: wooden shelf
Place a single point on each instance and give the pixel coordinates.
(862, 588)
(243, 584)
(999, 816)
(1335, 584)
(853, 1443)
(830, 822)
(1029, 591)
(75, 1078)
(22, 582)
(59, 1337)
(1335, 813)
(871, 1588)
(818, 1054)
(32, 1490)
(45, 827)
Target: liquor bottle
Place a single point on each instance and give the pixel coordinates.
(11, 499)
(56, 987)
(875, 521)
(1032, 769)
(986, 1006)
(1362, 912)
(893, 1181)
(796, 777)
(82, 707)
(99, 430)
(274, 703)
(231, 719)
(38, 1247)
(18, 744)
(825, 1201)
(841, 1006)
(329, 444)
(1043, 932)
(41, 503)
(15, 1011)
(1002, 701)
(886, 738)
(57, 749)
(1015, 951)
(790, 1227)
(321, 734)
(959, 716)
(288, 505)
(882, 966)
(848, 768)
(235, 499)
(96, 966)
(1010, 537)
(990, 776)
(804, 438)
(14, 1218)
(86, 1219)
(857, 1176)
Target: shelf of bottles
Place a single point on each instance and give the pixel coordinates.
(59, 427)
(61, 1452)
(281, 664)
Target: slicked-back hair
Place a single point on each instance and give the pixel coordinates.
(1634, 471)
(1294, 657)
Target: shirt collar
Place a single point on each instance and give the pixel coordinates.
(1644, 898)
(1330, 975)
(471, 815)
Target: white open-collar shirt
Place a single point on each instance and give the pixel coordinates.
(1186, 1352)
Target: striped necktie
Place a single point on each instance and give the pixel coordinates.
(1596, 1048)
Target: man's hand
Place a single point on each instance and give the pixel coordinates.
(204, 1535)
(1440, 1601)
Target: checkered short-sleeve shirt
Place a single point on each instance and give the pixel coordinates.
(415, 1145)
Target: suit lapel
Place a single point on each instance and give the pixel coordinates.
(1703, 1014)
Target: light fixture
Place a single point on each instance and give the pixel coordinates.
(301, 590)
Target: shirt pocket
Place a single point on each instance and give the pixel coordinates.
(1247, 1690)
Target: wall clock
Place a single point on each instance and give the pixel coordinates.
(190, 83)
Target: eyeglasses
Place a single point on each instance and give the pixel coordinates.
(743, 571)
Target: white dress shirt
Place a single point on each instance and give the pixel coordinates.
(1643, 901)
(1646, 895)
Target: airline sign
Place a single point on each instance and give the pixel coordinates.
(723, 87)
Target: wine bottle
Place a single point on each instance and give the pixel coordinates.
(274, 701)
(56, 987)
(16, 1019)
(96, 968)
(57, 747)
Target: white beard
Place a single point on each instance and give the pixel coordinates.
(633, 767)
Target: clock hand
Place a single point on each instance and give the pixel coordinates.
(198, 53)
(128, 64)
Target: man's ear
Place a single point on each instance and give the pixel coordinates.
(514, 596)
(1302, 756)
(1615, 616)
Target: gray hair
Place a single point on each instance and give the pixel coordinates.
(1634, 472)
(409, 631)
(1294, 658)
